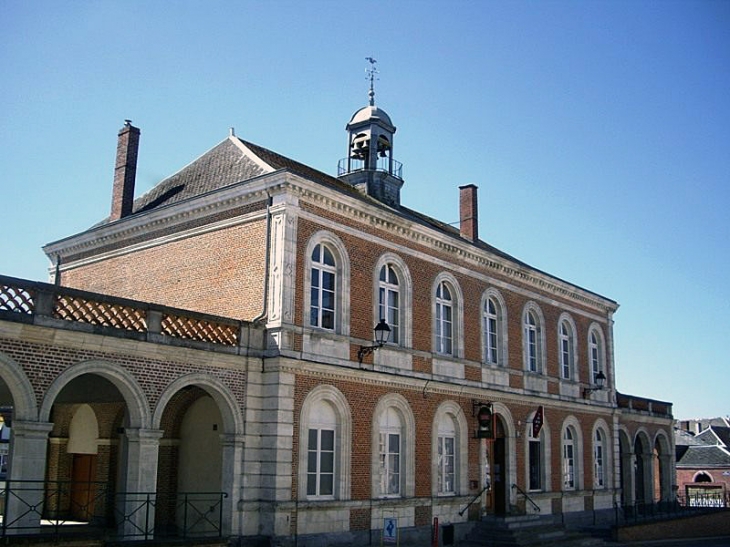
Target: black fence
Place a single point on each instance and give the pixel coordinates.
(91, 509)
(685, 504)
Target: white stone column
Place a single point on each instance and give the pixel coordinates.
(134, 499)
(26, 477)
(232, 481)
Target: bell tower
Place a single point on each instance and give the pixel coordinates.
(369, 165)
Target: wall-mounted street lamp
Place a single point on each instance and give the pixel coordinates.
(598, 386)
(382, 333)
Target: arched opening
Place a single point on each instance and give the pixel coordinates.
(626, 469)
(83, 458)
(643, 471)
(702, 477)
(189, 476)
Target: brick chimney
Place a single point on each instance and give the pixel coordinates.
(468, 213)
(125, 171)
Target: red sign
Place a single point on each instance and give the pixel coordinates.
(537, 422)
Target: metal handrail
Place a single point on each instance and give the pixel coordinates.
(475, 498)
(50, 508)
(528, 498)
(385, 165)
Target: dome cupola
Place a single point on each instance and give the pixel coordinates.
(369, 165)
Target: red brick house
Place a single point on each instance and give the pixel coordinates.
(493, 394)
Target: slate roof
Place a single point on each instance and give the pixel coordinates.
(703, 456)
(715, 435)
(685, 438)
(235, 160)
(223, 165)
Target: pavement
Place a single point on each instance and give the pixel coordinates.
(696, 542)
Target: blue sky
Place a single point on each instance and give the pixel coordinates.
(598, 133)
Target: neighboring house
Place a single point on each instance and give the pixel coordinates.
(703, 462)
(494, 392)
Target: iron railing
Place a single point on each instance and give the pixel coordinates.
(684, 504)
(384, 164)
(475, 498)
(92, 509)
(527, 497)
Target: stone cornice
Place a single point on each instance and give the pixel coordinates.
(429, 387)
(203, 206)
(377, 216)
(391, 221)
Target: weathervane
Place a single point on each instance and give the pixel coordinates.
(371, 75)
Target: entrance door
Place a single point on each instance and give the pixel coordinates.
(83, 473)
(499, 476)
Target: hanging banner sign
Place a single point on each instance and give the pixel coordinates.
(537, 422)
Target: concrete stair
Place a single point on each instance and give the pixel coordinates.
(525, 531)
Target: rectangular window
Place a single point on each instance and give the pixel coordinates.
(568, 467)
(532, 349)
(443, 328)
(321, 462)
(388, 308)
(535, 472)
(446, 465)
(492, 339)
(565, 356)
(598, 466)
(322, 299)
(389, 464)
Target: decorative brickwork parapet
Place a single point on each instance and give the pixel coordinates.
(55, 306)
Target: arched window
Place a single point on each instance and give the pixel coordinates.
(449, 448)
(321, 452)
(569, 460)
(599, 462)
(566, 347)
(533, 339)
(392, 298)
(393, 464)
(323, 289)
(444, 319)
(446, 442)
(491, 332)
(327, 272)
(596, 352)
(389, 301)
(535, 460)
(325, 434)
(389, 451)
(702, 477)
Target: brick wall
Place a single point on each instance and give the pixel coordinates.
(219, 272)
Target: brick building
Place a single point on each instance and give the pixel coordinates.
(493, 394)
(703, 461)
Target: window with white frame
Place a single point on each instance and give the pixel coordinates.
(389, 453)
(325, 433)
(444, 319)
(533, 341)
(491, 318)
(389, 300)
(567, 350)
(595, 349)
(568, 460)
(599, 473)
(446, 457)
(321, 462)
(323, 289)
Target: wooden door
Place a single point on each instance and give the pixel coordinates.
(83, 489)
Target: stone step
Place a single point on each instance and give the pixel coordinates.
(524, 532)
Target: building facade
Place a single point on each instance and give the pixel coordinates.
(493, 394)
